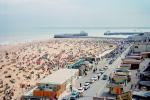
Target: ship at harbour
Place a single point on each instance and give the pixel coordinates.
(82, 34)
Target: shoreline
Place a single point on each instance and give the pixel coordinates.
(51, 38)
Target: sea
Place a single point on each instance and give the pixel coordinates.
(48, 33)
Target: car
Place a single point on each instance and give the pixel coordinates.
(86, 86)
(99, 74)
(95, 78)
(72, 98)
(110, 62)
(74, 95)
(104, 77)
(106, 67)
(81, 90)
(65, 98)
(101, 71)
(90, 82)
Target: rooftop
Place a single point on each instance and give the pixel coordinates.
(59, 77)
(145, 83)
(142, 93)
(134, 56)
(131, 61)
(125, 65)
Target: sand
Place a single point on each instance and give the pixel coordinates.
(21, 65)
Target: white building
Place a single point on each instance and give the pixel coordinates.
(141, 47)
(143, 37)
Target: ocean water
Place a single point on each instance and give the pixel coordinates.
(47, 33)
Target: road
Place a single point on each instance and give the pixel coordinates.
(98, 87)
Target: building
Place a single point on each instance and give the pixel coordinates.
(80, 64)
(144, 85)
(115, 88)
(118, 80)
(142, 37)
(141, 44)
(53, 85)
(137, 57)
(141, 95)
(140, 47)
(134, 64)
(145, 54)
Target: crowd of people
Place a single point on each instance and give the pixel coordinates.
(23, 64)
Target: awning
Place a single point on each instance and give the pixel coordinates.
(145, 53)
(111, 85)
(134, 57)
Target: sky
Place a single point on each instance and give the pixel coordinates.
(28, 14)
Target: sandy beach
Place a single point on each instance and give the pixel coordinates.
(21, 65)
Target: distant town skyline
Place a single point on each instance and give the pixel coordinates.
(28, 14)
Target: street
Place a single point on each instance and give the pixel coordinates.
(98, 87)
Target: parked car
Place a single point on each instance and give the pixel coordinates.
(95, 78)
(101, 71)
(74, 95)
(106, 67)
(72, 98)
(92, 80)
(86, 86)
(81, 90)
(104, 77)
(65, 98)
(99, 74)
(110, 62)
